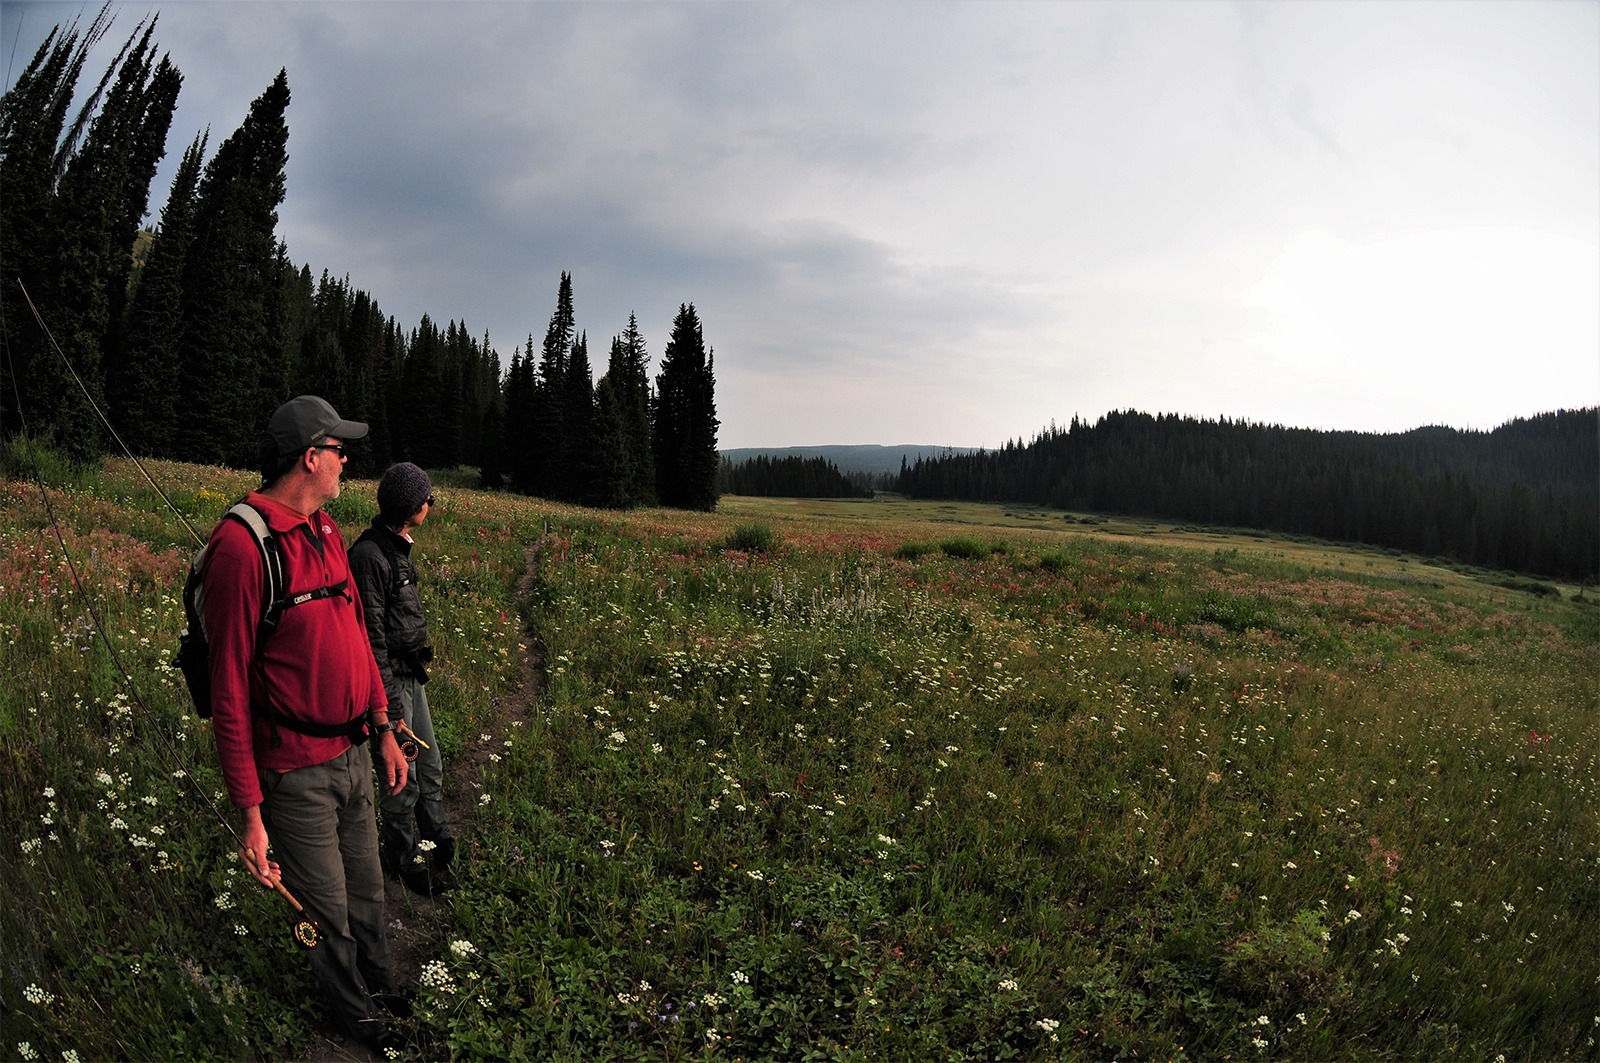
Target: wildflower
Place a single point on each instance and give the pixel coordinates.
(224, 901)
(25, 1051)
(1262, 1020)
(1290, 865)
(483, 799)
(34, 995)
(463, 949)
(757, 875)
(1009, 985)
(240, 930)
(740, 978)
(69, 1056)
(435, 975)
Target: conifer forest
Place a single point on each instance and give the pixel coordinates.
(189, 333)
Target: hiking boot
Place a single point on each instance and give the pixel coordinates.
(398, 1004)
(421, 881)
(444, 853)
(388, 1042)
(379, 1033)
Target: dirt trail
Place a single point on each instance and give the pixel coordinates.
(414, 921)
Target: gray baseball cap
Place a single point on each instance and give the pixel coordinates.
(305, 420)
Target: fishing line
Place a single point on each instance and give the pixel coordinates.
(307, 932)
(87, 397)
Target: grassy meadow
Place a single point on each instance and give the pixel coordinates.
(846, 780)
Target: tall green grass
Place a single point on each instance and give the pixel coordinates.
(1072, 798)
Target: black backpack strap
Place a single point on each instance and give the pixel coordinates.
(355, 729)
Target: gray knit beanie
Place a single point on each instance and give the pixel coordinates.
(402, 491)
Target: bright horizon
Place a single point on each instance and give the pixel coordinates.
(952, 221)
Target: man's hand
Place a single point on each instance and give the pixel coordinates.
(254, 850)
(395, 767)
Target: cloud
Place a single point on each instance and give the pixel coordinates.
(951, 221)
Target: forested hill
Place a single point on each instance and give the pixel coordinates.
(859, 458)
(1523, 497)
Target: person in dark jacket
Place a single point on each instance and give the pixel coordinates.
(413, 819)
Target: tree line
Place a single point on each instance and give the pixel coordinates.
(190, 334)
(789, 477)
(1523, 497)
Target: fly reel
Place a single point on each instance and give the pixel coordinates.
(306, 933)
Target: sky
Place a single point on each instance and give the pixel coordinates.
(952, 222)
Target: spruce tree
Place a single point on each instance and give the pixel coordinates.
(232, 307)
(33, 117)
(70, 210)
(546, 430)
(632, 380)
(577, 425)
(516, 428)
(686, 418)
(143, 393)
(611, 471)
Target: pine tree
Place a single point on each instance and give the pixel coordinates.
(623, 467)
(144, 391)
(71, 200)
(611, 469)
(232, 307)
(631, 378)
(686, 418)
(577, 425)
(546, 430)
(516, 429)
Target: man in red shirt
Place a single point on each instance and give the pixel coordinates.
(290, 708)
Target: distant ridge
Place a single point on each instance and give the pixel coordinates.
(868, 458)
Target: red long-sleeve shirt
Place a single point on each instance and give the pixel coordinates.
(317, 666)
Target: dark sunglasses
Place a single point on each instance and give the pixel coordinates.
(337, 448)
(428, 501)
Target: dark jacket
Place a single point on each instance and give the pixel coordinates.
(381, 562)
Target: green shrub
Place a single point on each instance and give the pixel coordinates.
(24, 459)
(754, 538)
(969, 548)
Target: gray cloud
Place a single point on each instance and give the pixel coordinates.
(941, 221)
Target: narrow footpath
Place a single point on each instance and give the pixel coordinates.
(415, 922)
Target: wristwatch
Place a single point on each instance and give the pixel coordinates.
(386, 727)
